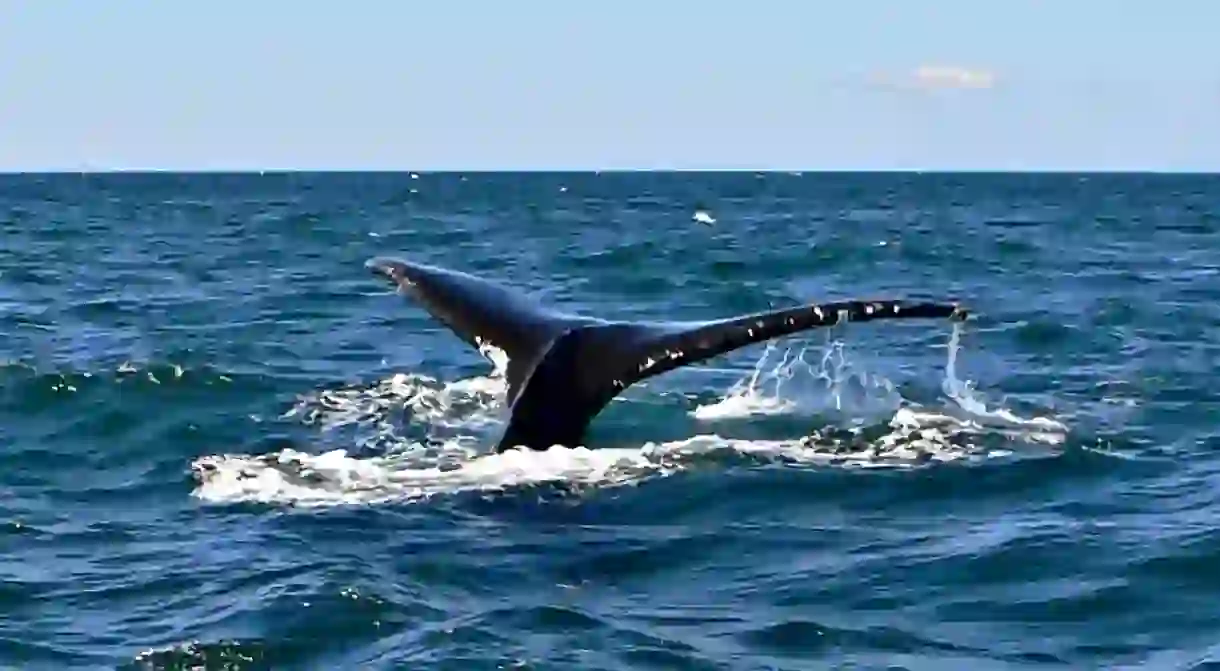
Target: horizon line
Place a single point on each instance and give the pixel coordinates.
(596, 170)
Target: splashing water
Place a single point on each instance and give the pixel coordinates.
(796, 386)
(453, 457)
(964, 394)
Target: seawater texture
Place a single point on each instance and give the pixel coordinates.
(224, 444)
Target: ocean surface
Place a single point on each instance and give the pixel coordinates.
(224, 444)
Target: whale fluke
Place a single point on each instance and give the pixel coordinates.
(563, 368)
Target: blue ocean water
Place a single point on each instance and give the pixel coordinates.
(224, 444)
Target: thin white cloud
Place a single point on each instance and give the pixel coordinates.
(935, 76)
(953, 76)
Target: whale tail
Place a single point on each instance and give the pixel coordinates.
(563, 369)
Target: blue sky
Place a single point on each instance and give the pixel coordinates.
(543, 84)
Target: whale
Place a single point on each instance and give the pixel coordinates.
(564, 368)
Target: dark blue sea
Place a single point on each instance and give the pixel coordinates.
(224, 444)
